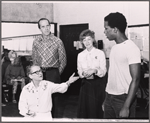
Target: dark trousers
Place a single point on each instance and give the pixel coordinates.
(52, 74)
(113, 105)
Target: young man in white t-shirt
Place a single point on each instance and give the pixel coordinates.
(124, 70)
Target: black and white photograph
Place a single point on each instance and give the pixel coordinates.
(75, 61)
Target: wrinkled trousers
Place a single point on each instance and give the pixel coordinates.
(113, 105)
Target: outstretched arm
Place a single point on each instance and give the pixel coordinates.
(61, 88)
(72, 79)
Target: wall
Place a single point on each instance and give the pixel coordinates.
(64, 13)
(23, 12)
(26, 12)
(94, 12)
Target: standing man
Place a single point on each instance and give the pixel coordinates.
(124, 70)
(48, 52)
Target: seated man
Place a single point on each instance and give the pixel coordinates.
(35, 99)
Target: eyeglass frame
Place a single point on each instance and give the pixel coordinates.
(37, 72)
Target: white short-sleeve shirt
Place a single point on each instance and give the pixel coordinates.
(121, 56)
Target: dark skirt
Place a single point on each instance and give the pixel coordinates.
(92, 95)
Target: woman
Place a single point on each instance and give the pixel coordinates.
(35, 99)
(91, 65)
(15, 73)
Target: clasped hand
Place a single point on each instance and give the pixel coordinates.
(88, 73)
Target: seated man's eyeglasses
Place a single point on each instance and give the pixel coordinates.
(36, 72)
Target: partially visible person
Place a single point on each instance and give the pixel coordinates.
(3, 84)
(91, 66)
(124, 70)
(3, 98)
(49, 53)
(14, 74)
(35, 99)
(5, 62)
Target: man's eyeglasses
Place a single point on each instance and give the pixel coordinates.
(37, 72)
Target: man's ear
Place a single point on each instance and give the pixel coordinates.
(115, 30)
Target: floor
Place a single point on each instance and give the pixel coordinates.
(68, 108)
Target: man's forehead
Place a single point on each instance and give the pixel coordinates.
(35, 68)
(44, 22)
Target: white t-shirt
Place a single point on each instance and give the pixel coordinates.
(121, 56)
(94, 59)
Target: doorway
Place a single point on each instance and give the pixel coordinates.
(69, 34)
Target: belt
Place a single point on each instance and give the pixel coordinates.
(92, 78)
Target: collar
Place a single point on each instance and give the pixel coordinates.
(92, 50)
(43, 85)
(42, 38)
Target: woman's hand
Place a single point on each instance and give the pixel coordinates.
(88, 73)
(72, 78)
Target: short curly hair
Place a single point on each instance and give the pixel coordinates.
(117, 20)
(86, 33)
